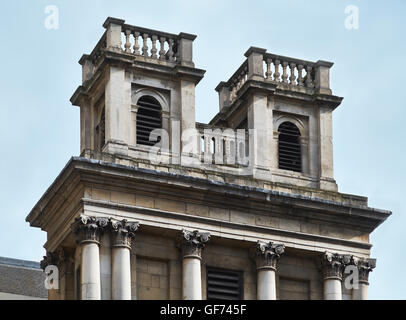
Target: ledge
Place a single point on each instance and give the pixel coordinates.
(302, 207)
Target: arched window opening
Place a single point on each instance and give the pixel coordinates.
(289, 150)
(149, 117)
(212, 145)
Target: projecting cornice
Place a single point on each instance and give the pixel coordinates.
(255, 200)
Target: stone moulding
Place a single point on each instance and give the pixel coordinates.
(306, 207)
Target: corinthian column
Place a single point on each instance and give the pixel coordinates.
(266, 256)
(365, 266)
(123, 233)
(192, 243)
(333, 266)
(88, 230)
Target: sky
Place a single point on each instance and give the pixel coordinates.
(39, 129)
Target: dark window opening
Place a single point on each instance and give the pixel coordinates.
(289, 150)
(149, 117)
(101, 131)
(224, 284)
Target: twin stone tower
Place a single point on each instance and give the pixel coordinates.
(159, 206)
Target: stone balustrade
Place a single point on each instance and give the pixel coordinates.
(150, 43)
(284, 72)
(289, 71)
(237, 80)
(139, 44)
(221, 146)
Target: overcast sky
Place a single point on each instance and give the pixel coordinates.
(39, 129)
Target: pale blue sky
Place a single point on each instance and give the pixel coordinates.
(39, 129)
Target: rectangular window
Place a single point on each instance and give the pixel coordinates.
(224, 284)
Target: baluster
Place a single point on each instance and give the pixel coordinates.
(136, 45)
(233, 93)
(309, 82)
(145, 45)
(176, 53)
(276, 75)
(170, 51)
(127, 45)
(292, 74)
(154, 49)
(300, 78)
(285, 73)
(268, 73)
(162, 49)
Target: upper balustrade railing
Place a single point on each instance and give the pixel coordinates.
(293, 72)
(285, 72)
(142, 44)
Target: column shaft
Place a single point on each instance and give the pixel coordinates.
(266, 288)
(332, 289)
(192, 281)
(90, 271)
(123, 233)
(121, 274)
(361, 293)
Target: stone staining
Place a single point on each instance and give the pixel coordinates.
(192, 243)
(123, 232)
(161, 65)
(89, 229)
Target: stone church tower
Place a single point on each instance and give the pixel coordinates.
(159, 206)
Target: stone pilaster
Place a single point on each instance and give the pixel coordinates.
(65, 266)
(364, 266)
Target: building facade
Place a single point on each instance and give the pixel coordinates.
(159, 206)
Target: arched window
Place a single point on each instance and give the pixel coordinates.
(289, 151)
(149, 117)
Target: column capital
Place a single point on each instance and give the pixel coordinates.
(48, 260)
(123, 232)
(89, 229)
(333, 265)
(267, 254)
(192, 243)
(365, 266)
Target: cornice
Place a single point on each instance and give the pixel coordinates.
(298, 206)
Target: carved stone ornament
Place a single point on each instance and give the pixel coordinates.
(192, 243)
(123, 232)
(333, 265)
(48, 260)
(267, 254)
(89, 229)
(365, 266)
(58, 258)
